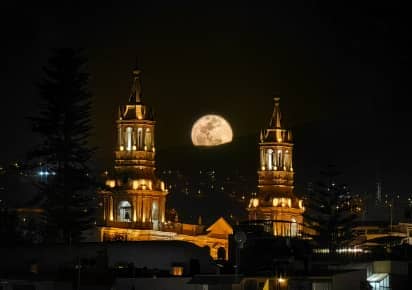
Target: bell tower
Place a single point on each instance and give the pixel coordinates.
(135, 151)
(134, 197)
(275, 202)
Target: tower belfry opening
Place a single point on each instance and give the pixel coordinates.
(275, 202)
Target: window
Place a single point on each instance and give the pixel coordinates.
(280, 163)
(293, 228)
(125, 211)
(129, 138)
(287, 160)
(139, 138)
(270, 159)
(148, 139)
(155, 214)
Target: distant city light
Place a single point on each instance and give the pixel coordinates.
(281, 280)
(45, 173)
(341, 251)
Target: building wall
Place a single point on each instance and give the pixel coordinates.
(159, 255)
(124, 234)
(349, 280)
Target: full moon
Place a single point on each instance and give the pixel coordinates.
(211, 130)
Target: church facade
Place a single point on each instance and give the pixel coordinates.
(133, 202)
(275, 204)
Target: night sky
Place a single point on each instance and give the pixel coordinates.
(342, 71)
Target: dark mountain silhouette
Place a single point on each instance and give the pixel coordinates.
(358, 152)
(240, 155)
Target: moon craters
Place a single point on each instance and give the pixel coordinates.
(211, 130)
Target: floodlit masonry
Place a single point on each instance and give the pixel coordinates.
(275, 201)
(133, 202)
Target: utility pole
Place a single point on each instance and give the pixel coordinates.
(240, 239)
(78, 267)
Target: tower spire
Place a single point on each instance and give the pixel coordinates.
(276, 116)
(275, 200)
(136, 91)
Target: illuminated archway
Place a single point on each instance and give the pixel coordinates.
(155, 214)
(125, 211)
(293, 228)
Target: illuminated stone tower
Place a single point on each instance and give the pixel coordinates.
(134, 197)
(275, 203)
(132, 203)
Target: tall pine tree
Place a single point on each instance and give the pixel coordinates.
(330, 212)
(64, 127)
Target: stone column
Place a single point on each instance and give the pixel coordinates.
(111, 214)
(119, 129)
(134, 203)
(162, 208)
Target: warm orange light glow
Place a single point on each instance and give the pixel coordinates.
(135, 209)
(162, 186)
(142, 183)
(111, 183)
(282, 280)
(177, 271)
(255, 202)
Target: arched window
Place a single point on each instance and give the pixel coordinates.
(125, 211)
(221, 253)
(155, 214)
(280, 163)
(148, 139)
(293, 228)
(270, 159)
(287, 160)
(129, 138)
(139, 138)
